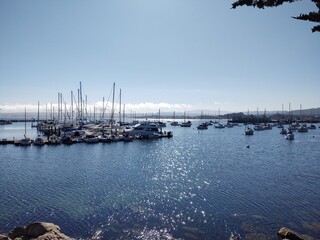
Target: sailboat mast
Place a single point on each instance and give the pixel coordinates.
(112, 109)
(38, 116)
(120, 108)
(94, 113)
(124, 112)
(290, 113)
(58, 106)
(71, 106)
(86, 108)
(25, 122)
(81, 103)
(103, 108)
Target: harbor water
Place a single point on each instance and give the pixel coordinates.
(206, 184)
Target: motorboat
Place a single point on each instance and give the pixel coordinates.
(25, 142)
(290, 136)
(259, 127)
(144, 130)
(66, 140)
(105, 138)
(125, 138)
(249, 131)
(186, 124)
(53, 140)
(202, 126)
(267, 126)
(312, 126)
(160, 124)
(283, 131)
(303, 128)
(219, 126)
(38, 141)
(174, 123)
(91, 139)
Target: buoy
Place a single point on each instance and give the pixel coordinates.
(248, 146)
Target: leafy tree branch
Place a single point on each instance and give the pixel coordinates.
(261, 4)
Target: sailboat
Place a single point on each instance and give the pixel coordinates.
(159, 123)
(38, 141)
(174, 122)
(219, 125)
(248, 130)
(25, 141)
(202, 126)
(290, 135)
(185, 124)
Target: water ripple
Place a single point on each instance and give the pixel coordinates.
(194, 186)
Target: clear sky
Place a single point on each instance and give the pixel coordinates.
(174, 55)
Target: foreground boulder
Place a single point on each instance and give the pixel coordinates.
(36, 231)
(286, 233)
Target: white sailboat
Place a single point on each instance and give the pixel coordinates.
(185, 124)
(38, 141)
(174, 122)
(248, 130)
(25, 141)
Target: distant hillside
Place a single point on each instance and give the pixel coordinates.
(307, 112)
(209, 114)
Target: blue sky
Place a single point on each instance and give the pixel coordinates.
(174, 55)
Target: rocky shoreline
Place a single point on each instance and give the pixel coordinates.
(50, 231)
(36, 231)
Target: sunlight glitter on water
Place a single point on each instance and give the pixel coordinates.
(193, 186)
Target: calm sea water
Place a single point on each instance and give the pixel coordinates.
(197, 185)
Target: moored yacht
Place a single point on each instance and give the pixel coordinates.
(174, 123)
(303, 128)
(312, 126)
(25, 141)
(202, 126)
(249, 131)
(144, 130)
(283, 131)
(53, 140)
(259, 127)
(89, 138)
(186, 124)
(38, 141)
(290, 135)
(219, 125)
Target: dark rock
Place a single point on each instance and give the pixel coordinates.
(17, 232)
(286, 233)
(37, 229)
(4, 237)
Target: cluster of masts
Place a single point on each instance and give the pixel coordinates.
(78, 110)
